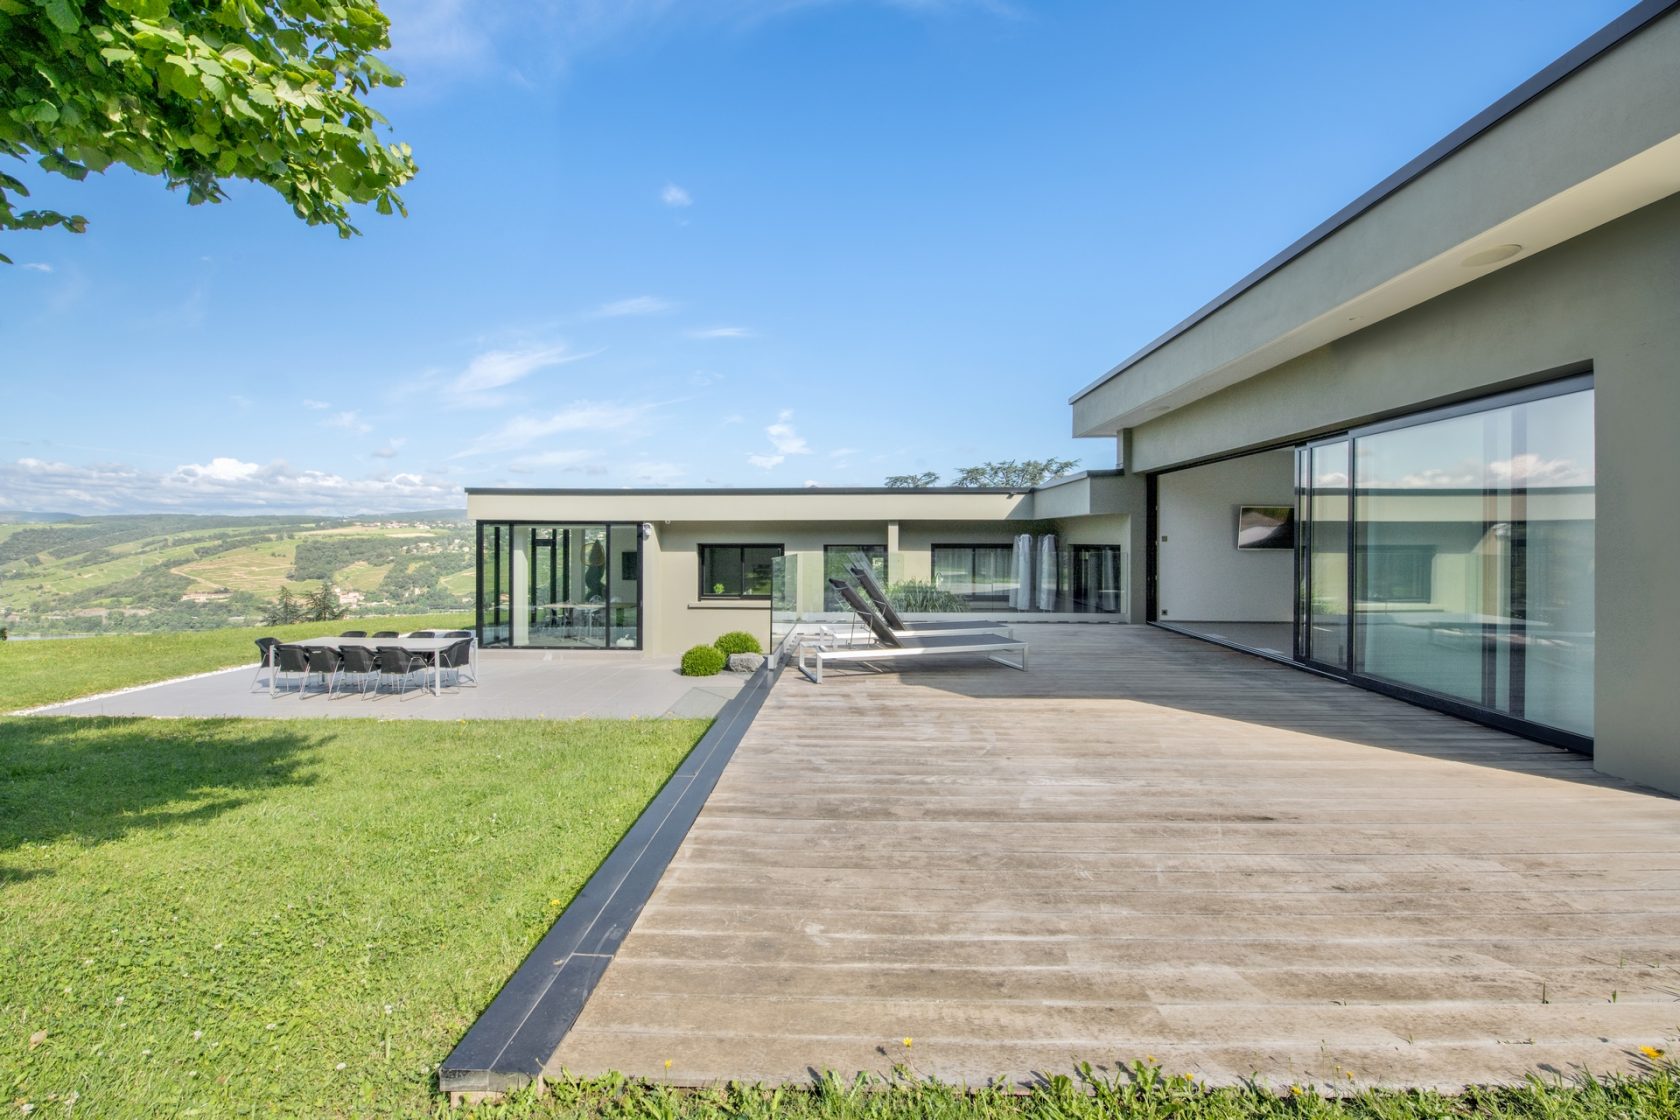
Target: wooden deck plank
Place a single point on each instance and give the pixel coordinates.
(1146, 845)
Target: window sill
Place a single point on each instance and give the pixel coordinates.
(730, 605)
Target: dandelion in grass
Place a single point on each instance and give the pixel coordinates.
(1652, 1052)
(907, 1043)
(667, 1063)
(121, 1000)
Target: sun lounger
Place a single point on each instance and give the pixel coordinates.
(866, 580)
(893, 646)
(924, 629)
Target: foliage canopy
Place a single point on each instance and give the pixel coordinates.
(1008, 472)
(266, 90)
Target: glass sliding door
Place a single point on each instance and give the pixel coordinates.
(1097, 578)
(1474, 572)
(1324, 472)
(559, 586)
(982, 575)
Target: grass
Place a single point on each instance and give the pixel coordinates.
(1140, 1092)
(227, 917)
(47, 672)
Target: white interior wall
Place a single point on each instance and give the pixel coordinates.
(1203, 575)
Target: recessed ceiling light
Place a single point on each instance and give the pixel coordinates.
(1491, 256)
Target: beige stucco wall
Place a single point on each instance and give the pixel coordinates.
(1610, 297)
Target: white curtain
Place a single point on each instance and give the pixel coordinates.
(1020, 597)
(1047, 572)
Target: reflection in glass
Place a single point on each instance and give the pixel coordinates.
(983, 575)
(1098, 578)
(737, 571)
(837, 564)
(1325, 544)
(1474, 569)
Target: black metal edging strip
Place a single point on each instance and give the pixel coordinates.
(523, 1026)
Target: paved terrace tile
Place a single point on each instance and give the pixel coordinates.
(513, 684)
(1146, 846)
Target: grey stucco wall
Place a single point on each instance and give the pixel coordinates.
(1610, 297)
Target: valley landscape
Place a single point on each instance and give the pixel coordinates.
(63, 575)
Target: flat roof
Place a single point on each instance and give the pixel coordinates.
(1623, 27)
(737, 491)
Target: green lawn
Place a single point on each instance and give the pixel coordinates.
(46, 672)
(233, 917)
(1141, 1093)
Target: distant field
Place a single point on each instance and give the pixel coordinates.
(54, 670)
(258, 568)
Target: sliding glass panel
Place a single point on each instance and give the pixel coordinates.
(1097, 574)
(1325, 558)
(624, 574)
(494, 584)
(1474, 564)
(982, 575)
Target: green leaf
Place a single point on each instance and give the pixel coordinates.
(42, 112)
(64, 15)
(117, 54)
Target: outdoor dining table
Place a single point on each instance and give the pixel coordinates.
(433, 646)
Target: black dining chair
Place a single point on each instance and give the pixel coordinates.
(453, 658)
(395, 661)
(359, 661)
(264, 645)
(386, 634)
(424, 634)
(289, 659)
(354, 634)
(325, 661)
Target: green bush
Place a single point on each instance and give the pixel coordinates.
(703, 661)
(738, 641)
(914, 595)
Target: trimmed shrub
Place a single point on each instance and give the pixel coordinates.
(915, 596)
(703, 661)
(738, 641)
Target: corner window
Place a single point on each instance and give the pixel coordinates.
(737, 571)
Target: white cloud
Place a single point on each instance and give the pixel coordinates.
(581, 416)
(674, 195)
(721, 332)
(392, 446)
(733, 418)
(36, 266)
(348, 420)
(223, 485)
(766, 462)
(315, 406)
(570, 457)
(783, 438)
(842, 452)
(637, 305)
(497, 369)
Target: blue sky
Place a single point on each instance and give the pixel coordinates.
(719, 243)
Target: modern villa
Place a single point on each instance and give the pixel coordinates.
(1429, 449)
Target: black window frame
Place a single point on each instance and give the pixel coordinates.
(700, 570)
(973, 600)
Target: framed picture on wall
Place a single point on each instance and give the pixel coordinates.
(1265, 527)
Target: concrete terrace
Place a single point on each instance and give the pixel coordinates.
(513, 684)
(1149, 845)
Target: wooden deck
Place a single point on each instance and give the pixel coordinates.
(1146, 846)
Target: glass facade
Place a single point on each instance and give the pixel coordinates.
(837, 562)
(1472, 552)
(1095, 578)
(559, 586)
(982, 575)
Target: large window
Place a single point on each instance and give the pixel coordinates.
(837, 564)
(737, 571)
(980, 574)
(559, 586)
(1472, 561)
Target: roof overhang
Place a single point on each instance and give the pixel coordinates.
(1593, 137)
